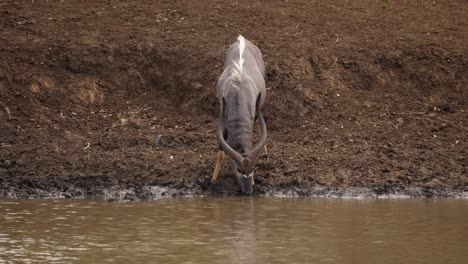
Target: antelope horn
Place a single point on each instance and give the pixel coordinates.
(263, 130)
(232, 153)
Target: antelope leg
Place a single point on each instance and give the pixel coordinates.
(265, 152)
(219, 159)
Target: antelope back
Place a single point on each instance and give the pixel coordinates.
(243, 75)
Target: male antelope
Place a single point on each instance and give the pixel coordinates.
(241, 93)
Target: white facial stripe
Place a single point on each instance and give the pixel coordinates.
(247, 176)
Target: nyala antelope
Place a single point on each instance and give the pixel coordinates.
(241, 92)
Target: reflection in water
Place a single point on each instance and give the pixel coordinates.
(242, 230)
(235, 230)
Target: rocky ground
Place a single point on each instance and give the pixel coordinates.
(118, 97)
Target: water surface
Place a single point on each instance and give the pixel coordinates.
(234, 230)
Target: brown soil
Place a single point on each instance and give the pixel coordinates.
(360, 94)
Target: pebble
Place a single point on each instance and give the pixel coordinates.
(7, 163)
(158, 140)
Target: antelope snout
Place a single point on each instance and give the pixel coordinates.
(245, 182)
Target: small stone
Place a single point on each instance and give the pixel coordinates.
(158, 140)
(425, 171)
(434, 183)
(7, 163)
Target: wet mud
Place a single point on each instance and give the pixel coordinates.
(117, 98)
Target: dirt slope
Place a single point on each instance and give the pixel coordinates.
(360, 94)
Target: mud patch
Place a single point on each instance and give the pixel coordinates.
(119, 194)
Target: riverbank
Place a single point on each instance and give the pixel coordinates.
(119, 194)
(96, 97)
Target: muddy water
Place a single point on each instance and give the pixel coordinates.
(235, 230)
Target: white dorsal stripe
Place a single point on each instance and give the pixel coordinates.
(241, 40)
